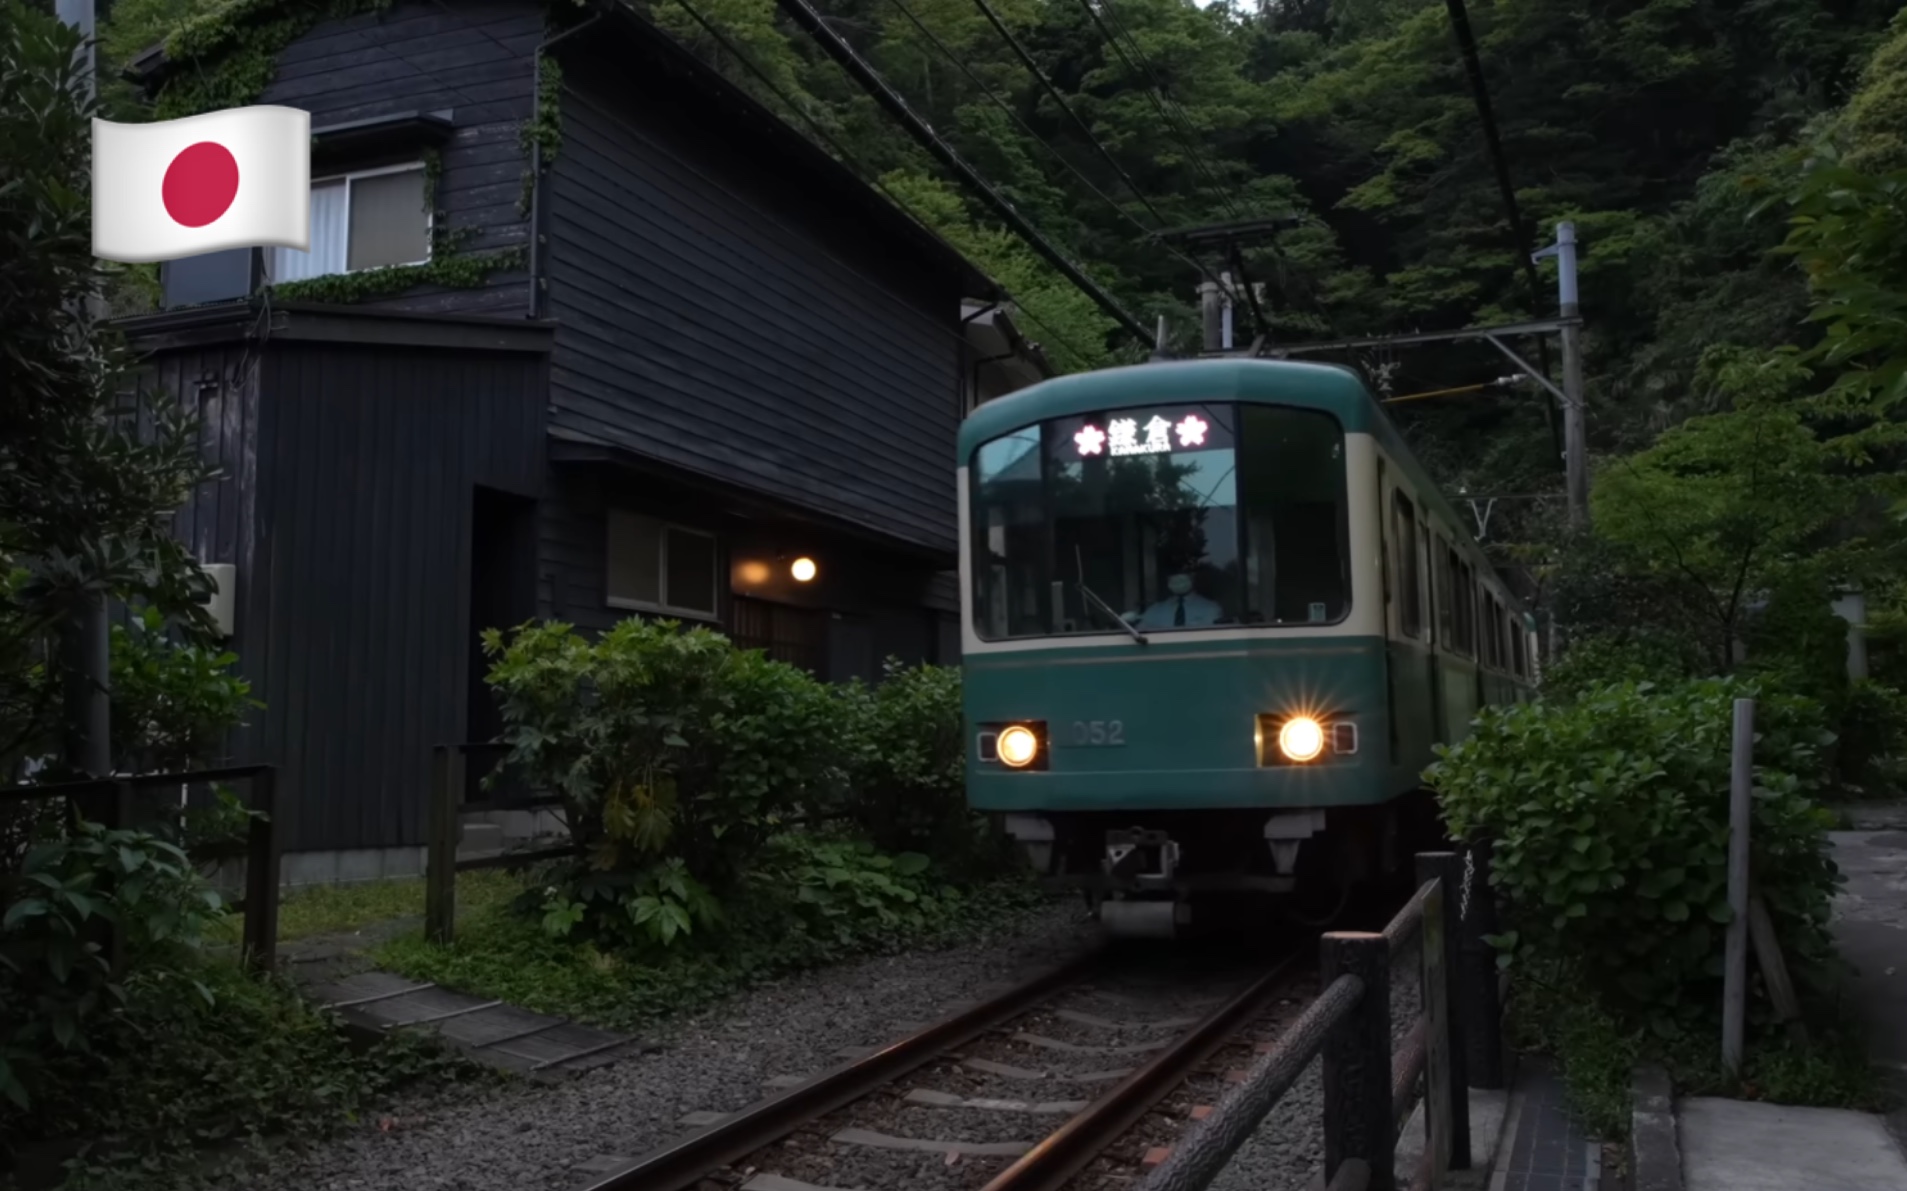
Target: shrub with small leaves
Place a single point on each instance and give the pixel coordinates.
(1610, 821)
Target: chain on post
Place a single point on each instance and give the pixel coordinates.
(1469, 874)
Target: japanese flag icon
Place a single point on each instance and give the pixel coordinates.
(233, 179)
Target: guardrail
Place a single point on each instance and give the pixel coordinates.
(449, 789)
(109, 802)
(1369, 1092)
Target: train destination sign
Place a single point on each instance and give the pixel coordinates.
(1126, 436)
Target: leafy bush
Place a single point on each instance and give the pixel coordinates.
(1595, 660)
(52, 962)
(1610, 817)
(677, 757)
(173, 701)
(905, 768)
(1870, 750)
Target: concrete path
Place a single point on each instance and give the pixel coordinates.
(1746, 1145)
(1740, 1145)
(1870, 926)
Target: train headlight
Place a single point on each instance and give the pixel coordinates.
(1018, 746)
(1301, 739)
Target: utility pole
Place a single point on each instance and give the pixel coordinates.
(1212, 308)
(85, 640)
(1575, 425)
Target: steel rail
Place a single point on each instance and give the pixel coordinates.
(681, 1163)
(1054, 1162)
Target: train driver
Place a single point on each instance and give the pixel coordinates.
(1183, 608)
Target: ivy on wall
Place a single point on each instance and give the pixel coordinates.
(542, 134)
(449, 266)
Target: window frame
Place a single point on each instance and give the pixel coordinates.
(1411, 621)
(662, 606)
(980, 557)
(348, 177)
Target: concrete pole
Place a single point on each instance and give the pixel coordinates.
(1575, 425)
(80, 15)
(1229, 339)
(1741, 788)
(1212, 307)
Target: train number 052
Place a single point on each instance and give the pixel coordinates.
(1090, 732)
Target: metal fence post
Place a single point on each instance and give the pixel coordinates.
(261, 874)
(1357, 1061)
(1480, 1007)
(440, 862)
(1446, 1079)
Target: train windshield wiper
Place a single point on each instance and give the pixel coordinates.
(1117, 619)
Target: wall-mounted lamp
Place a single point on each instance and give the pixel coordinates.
(803, 570)
(755, 573)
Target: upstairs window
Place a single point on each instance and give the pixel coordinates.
(370, 219)
(657, 567)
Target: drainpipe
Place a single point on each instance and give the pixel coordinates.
(536, 167)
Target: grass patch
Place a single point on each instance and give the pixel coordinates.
(345, 909)
(505, 953)
(207, 1067)
(1597, 1053)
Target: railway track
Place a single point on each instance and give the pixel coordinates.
(1079, 1078)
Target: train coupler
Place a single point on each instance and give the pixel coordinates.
(1138, 852)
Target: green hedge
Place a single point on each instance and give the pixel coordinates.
(1610, 819)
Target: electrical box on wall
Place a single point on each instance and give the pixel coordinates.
(224, 578)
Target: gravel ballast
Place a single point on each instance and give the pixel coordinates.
(532, 1136)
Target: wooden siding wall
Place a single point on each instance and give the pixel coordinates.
(708, 322)
(475, 59)
(368, 461)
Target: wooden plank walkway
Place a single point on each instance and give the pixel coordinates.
(489, 1031)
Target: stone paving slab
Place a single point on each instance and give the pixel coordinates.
(501, 1035)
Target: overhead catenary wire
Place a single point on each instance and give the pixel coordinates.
(870, 80)
(1493, 144)
(1026, 59)
(948, 52)
(1154, 90)
(844, 154)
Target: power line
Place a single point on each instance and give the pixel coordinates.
(870, 80)
(1493, 143)
(761, 75)
(1155, 92)
(948, 52)
(1034, 68)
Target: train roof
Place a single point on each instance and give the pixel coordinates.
(1329, 387)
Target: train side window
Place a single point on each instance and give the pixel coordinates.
(1466, 608)
(1410, 608)
(1440, 576)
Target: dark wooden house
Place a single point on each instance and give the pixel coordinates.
(584, 332)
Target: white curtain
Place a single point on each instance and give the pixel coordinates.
(328, 234)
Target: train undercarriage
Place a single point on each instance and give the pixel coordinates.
(1166, 874)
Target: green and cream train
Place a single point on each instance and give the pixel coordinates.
(1214, 618)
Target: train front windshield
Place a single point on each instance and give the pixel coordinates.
(1169, 518)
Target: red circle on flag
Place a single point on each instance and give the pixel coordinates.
(200, 184)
